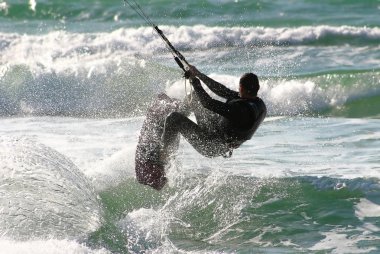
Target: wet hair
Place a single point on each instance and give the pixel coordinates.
(250, 83)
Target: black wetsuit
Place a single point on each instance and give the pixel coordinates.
(235, 121)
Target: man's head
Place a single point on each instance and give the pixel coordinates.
(249, 85)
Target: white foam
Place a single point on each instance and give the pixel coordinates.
(178, 89)
(339, 241)
(61, 50)
(204, 37)
(43, 194)
(366, 208)
(32, 5)
(283, 97)
(114, 169)
(65, 73)
(4, 7)
(51, 246)
(145, 229)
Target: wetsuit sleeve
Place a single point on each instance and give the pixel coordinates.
(218, 88)
(216, 106)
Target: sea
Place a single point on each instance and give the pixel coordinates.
(76, 78)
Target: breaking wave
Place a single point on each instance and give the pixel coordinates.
(127, 89)
(116, 74)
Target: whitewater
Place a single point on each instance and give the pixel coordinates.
(117, 73)
(76, 79)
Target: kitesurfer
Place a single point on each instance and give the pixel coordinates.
(221, 126)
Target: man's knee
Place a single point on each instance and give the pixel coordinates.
(212, 150)
(174, 117)
(172, 123)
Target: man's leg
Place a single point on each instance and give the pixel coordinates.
(206, 143)
(205, 118)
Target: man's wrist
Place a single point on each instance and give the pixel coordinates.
(195, 81)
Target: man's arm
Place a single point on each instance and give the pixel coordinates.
(218, 88)
(238, 113)
(216, 106)
(214, 86)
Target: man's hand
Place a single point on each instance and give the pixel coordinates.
(194, 81)
(191, 72)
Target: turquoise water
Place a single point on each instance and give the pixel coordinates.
(76, 78)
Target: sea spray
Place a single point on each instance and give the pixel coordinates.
(43, 194)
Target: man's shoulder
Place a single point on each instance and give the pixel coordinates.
(254, 104)
(246, 101)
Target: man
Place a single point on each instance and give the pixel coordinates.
(221, 126)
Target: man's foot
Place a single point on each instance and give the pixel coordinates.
(151, 174)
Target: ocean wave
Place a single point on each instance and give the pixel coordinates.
(127, 88)
(202, 37)
(326, 94)
(61, 50)
(117, 73)
(123, 89)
